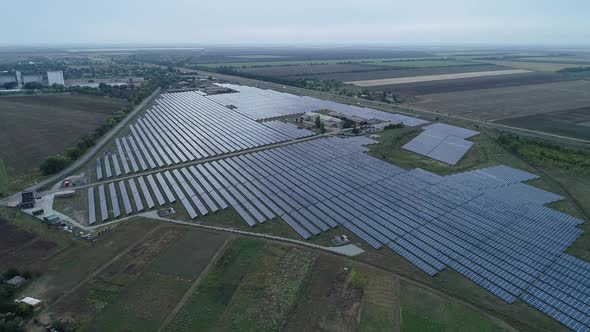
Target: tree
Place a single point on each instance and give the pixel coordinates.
(318, 122)
(322, 128)
(10, 85)
(33, 86)
(73, 153)
(54, 164)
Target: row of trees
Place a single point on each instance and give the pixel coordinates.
(134, 96)
(547, 154)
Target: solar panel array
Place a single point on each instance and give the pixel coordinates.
(262, 104)
(289, 129)
(187, 126)
(442, 142)
(485, 224)
(563, 292)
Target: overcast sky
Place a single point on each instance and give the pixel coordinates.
(295, 21)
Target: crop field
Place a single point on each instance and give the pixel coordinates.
(570, 123)
(306, 70)
(467, 84)
(396, 73)
(34, 127)
(428, 78)
(503, 103)
(534, 66)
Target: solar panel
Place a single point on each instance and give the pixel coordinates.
(156, 190)
(114, 200)
(91, 209)
(136, 196)
(125, 197)
(104, 213)
(146, 193)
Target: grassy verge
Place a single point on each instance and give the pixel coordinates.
(422, 310)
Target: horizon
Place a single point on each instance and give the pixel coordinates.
(455, 22)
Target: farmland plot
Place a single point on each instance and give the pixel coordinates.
(443, 77)
(504, 103)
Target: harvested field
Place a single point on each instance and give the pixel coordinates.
(34, 127)
(305, 70)
(571, 123)
(503, 103)
(534, 66)
(427, 78)
(466, 84)
(406, 72)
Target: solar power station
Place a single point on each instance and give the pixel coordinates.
(264, 104)
(442, 142)
(187, 126)
(486, 224)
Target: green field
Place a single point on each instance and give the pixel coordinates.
(127, 278)
(425, 311)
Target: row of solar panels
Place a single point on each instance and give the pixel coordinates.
(186, 127)
(563, 292)
(289, 129)
(265, 104)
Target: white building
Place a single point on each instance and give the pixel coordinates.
(55, 77)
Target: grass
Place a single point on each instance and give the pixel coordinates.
(75, 206)
(131, 292)
(484, 153)
(142, 306)
(209, 301)
(375, 317)
(422, 310)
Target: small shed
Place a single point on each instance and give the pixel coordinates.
(33, 302)
(16, 281)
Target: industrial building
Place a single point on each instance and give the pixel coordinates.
(55, 77)
(50, 78)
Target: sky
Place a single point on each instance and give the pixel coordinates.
(295, 22)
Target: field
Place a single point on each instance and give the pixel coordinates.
(404, 72)
(428, 78)
(425, 311)
(569, 122)
(535, 66)
(34, 127)
(504, 103)
(143, 276)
